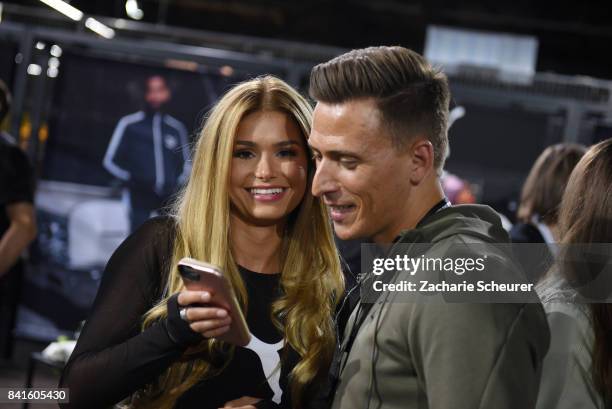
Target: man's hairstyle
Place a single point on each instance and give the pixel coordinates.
(145, 81)
(411, 95)
(5, 100)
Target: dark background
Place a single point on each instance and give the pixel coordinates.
(574, 37)
(7, 65)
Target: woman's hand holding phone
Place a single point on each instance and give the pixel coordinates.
(198, 278)
(204, 318)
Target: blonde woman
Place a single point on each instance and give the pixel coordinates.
(247, 207)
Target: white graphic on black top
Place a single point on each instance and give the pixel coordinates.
(170, 142)
(270, 361)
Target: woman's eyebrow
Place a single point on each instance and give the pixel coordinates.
(246, 143)
(288, 142)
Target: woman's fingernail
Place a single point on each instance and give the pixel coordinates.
(205, 297)
(221, 313)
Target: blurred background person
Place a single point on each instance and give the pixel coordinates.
(149, 153)
(17, 225)
(457, 190)
(577, 371)
(539, 206)
(542, 192)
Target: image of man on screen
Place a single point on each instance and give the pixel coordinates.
(148, 151)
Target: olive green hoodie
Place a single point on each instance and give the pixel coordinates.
(441, 355)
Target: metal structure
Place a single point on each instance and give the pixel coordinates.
(582, 102)
(154, 51)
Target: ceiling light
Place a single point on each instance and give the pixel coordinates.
(34, 69)
(99, 28)
(132, 10)
(65, 8)
(56, 51)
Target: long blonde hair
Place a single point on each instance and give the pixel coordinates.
(311, 281)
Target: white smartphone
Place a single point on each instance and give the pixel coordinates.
(200, 276)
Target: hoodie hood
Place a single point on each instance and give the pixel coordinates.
(477, 223)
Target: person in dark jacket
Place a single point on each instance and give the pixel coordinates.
(17, 226)
(539, 207)
(149, 153)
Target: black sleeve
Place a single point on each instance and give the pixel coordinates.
(525, 233)
(16, 182)
(113, 358)
(266, 404)
(322, 392)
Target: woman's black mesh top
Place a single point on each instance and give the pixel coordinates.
(114, 358)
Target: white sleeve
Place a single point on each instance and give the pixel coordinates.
(116, 140)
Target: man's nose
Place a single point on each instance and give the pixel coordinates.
(324, 181)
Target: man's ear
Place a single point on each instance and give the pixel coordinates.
(422, 160)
